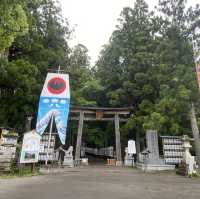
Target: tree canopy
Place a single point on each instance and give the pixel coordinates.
(13, 22)
(148, 63)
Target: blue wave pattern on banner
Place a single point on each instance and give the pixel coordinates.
(59, 109)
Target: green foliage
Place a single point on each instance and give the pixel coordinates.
(23, 72)
(45, 45)
(149, 64)
(18, 85)
(85, 88)
(23, 171)
(31, 53)
(95, 137)
(13, 22)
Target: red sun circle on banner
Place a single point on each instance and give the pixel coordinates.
(56, 85)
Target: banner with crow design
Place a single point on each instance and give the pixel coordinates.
(54, 102)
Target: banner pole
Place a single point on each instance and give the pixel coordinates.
(49, 140)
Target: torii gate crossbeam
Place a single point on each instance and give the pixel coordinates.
(117, 115)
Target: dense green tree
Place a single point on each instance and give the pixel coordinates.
(44, 46)
(16, 94)
(13, 22)
(149, 64)
(85, 88)
(128, 64)
(181, 29)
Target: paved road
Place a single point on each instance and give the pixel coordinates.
(101, 183)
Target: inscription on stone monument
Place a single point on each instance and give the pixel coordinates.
(152, 147)
(152, 144)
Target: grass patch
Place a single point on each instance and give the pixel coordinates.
(22, 171)
(194, 175)
(10, 176)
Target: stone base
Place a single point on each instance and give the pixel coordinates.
(119, 163)
(154, 161)
(68, 162)
(129, 162)
(153, 167)
(50, 170)
(84, 161)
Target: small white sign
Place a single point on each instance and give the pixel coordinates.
(30, 147)
(131, 147)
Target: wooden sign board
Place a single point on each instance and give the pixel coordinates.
(99, 115)
(131, 147)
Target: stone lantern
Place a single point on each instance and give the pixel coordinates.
(187, 157)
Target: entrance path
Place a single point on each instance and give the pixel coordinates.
(101, 183)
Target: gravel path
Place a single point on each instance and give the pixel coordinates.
(101, 183)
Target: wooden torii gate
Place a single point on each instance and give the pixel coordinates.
(116, 115)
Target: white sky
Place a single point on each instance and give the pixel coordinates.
(95, 20)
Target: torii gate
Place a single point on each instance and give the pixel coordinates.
(82, 114)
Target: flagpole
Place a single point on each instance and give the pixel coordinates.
(49, 140)
(50, 130)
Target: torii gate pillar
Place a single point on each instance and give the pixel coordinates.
(117, 141)
(79, 138)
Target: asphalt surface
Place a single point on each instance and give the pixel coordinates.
(101, 183)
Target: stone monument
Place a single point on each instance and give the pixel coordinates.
(152, 148)
(128, 159)
(129, 152)
(68, 158)
(150, 156)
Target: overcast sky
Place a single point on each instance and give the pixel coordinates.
(95, 20)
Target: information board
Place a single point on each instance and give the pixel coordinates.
(131, 147)
(172, 149)
(44, 147)
(30, 147)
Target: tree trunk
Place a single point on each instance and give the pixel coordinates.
(195, 132)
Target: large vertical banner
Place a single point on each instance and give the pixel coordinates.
(54, 102)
